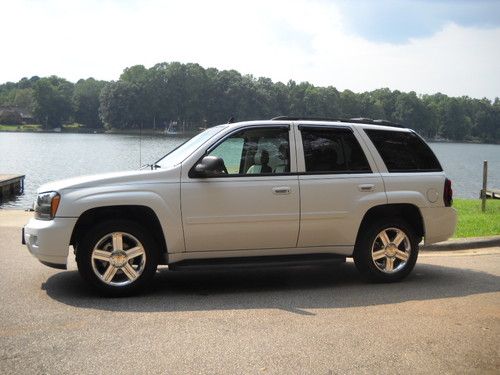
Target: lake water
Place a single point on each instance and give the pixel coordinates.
(46, 157)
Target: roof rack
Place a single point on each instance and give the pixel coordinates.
(357, 120)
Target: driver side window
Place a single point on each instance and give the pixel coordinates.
(255, 151)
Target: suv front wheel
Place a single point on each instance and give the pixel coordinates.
(117, 257)
(387, 251)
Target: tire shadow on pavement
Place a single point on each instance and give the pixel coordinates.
(291, 289)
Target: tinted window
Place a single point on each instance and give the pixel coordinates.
(333, 150)
(255, 151)
(403, 151)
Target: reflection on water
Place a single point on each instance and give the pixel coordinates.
(46, 157)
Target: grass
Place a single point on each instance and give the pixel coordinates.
(73, 126)
(472, 222)
(36, 127)
(21, 128)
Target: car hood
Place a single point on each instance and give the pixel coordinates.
(115, 178)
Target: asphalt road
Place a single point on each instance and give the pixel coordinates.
(445, 318)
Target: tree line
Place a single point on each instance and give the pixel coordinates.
(197, 97)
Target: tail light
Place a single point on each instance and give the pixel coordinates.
(447, 193)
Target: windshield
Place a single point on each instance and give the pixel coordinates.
(179, 154)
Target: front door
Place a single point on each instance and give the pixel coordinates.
(255, 205)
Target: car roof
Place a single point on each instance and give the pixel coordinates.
(354, 122)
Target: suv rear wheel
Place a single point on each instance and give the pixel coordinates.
(387, 251)
(117, 257)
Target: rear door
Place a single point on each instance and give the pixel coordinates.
(411, 171)
(338, 181)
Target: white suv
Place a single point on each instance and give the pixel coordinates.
(286, 190)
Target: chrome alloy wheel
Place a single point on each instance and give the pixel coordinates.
(391, 250)
(118, 259)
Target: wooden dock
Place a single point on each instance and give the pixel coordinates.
(11, 184)
(493, 193)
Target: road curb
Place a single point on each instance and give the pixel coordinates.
(463, 244)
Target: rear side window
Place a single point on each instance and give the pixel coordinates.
(331, 150)
(404, 151)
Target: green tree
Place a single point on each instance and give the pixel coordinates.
(24, 99)
(300, 98)
(350, 105)
(412, 112)
(369, 107)
(86, 102)
(137, 76)
(52, 101)
(386, 100)
(455, 124)
(495, 128)
(118, 105)
(194, 96)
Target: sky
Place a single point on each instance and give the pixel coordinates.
(424, 46)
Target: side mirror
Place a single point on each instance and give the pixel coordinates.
(208, 166)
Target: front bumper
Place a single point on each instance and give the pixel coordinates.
(48, 240)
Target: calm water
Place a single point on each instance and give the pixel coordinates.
(47, 157)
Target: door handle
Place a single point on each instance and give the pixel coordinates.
(281, 190)
(366, 187)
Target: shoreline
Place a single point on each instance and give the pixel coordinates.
(151, 132)
(147, 132)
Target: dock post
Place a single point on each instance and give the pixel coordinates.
(485, 181)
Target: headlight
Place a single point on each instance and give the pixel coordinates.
(46, 205)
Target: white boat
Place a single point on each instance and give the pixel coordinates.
(172, 129)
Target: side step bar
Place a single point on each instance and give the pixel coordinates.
(255, 262)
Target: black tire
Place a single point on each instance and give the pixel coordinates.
(123, 282)
(369, 242)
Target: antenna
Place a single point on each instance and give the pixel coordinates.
(140, 145)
